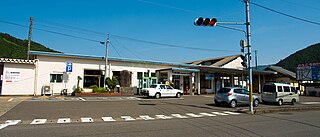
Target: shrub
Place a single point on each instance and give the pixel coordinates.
(76, 90)
(112, 82)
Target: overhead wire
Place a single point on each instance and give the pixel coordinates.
(49, 31)
(168, 45)
(285, 14)
(302, 5)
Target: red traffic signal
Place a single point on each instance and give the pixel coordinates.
(205, 22)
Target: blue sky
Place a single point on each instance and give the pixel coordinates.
(164, 21)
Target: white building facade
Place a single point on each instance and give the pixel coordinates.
(60, 72)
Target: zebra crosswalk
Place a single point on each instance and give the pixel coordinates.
(66, 120)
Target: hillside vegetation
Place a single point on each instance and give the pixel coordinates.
(11, 47)
(307, 55)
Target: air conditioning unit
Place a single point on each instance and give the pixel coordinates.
(47, 89)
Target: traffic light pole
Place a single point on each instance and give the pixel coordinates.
(249, 55)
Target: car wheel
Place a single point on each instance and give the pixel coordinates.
(157, 95)
(293, 101)
(255, 102)
(216, 103)
(233, 103)
(178, 95)
(280, 102)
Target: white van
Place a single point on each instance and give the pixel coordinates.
(279, 93)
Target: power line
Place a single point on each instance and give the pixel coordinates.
(49, 31)
(169, 45)
(284, 14)
(71, 27)
(302, 5)
(15, 24)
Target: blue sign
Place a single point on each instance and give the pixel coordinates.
(209, 76)
(69, 67)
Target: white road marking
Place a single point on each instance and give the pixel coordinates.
(9, 123)
(86, 120)
(12, 122)
(218, 113)
(146, 117)
(108, 119)
(3, 126)
(82, 99)
(64, 120)
(38, 121)
(11, 99)
(193, 115)
(179, 116)
(163, 117)
(207, 114)
(127, 118)
(232, 113)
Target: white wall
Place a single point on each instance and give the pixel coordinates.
(57, 65)
(21, 83)
(234, 64)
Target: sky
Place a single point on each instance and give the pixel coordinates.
(157, 29)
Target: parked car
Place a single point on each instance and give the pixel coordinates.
(234, 96)
(279, 93)
(161, 90)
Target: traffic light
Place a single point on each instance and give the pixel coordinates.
(205, 22)
(243, 45)
(244, 61)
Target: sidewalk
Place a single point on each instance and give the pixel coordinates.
(9, 102)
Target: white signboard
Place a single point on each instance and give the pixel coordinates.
(12, 76)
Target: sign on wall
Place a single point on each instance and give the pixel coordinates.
(308, 72)
(69, 67)
(12, 76)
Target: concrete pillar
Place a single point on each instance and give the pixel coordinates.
(231, 81)
(181, 83)
(259, 84)
(198, 83)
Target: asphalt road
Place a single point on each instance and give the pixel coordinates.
(188, 116)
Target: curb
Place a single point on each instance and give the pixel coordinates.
(284, 109)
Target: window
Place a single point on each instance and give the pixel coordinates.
(92, 77)
(224, 90)
(162, 87)
(169, 87)
(286, 89)
(56, 78)
(238, 91)
(205, 84)
(139, 75)
(153, 74)
(279, 88)
(269, 88)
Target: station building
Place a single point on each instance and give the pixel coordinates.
(60, 72)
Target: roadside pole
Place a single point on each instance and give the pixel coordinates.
(106, 63)
(249, 54)
(29, 39)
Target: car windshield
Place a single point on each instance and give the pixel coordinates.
(224, 90)
(153, 86)
(269, 88)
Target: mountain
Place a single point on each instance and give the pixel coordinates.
(306, 55)
(11, 47)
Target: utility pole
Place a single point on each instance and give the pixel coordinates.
(256, 58)
(106, 63)
(29, 39)
(249, 54)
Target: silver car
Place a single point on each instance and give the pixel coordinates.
(234, 96)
